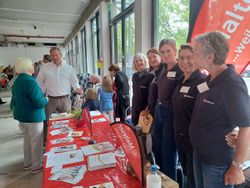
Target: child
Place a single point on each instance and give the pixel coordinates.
(91, 100)
(105, 93)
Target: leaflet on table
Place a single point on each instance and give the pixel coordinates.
(75, 134)
(59, 124)
(70, 175)
(63, 148)
(101, 161)
(59, 115)
(98, 120)
(64, 130)
(97, 148)
(62, 140)
(58, 159)
(103, 185)
(95, 113)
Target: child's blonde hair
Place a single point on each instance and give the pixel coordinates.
(107, 84)
(91, 94)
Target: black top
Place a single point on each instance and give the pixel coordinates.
(183, 100)
(153, 90)
(141, 82)
(122, 94)
(222, 104)
(167, 82)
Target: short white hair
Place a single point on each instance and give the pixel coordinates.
(23, 65)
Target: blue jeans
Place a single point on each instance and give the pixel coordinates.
(209, 176)
(164, 146)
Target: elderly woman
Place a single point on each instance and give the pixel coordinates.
(141, 80)
(28, 104)
(163, 131)
(222, 104)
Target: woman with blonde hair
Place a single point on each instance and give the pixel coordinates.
(141, 80)
(28, 104)
(106, 93)
(91, 102)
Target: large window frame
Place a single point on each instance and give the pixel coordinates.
(84, 50)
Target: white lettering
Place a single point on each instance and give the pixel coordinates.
(229, 13)
(231, 26)
(241, 8)
(246, 40)
(239, 48)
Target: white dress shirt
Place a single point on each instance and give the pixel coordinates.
(57, 80)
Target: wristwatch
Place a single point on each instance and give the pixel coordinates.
(237, 164)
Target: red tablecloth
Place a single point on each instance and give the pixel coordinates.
(101, 132)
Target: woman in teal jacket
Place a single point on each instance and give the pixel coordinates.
(28, 104)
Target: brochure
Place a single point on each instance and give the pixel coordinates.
(103, 185)
(62, 140)
(101, 161)
(70, 175)
(75, 134)
(97, 148)
(63, 148)
(59, 159)
(95, 113)
(98, 120)
(64, 130)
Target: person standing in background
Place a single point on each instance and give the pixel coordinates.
(105, 93)
(222, 104)
(56, 79)
(141, 80)
(46, 58)
(121, 89)
(28, 104)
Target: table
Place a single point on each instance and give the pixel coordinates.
(101, 132)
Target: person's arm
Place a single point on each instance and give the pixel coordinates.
(41, 79)
(234, 175)
(75, 83)
(36, 95)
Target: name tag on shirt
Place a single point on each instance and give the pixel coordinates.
(171, 74)
(184, 89)
(143, 87)
(203, 87)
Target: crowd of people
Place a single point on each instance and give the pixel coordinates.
(193, 112)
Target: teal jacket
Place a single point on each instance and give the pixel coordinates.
(27, 100)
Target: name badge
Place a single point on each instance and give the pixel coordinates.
(143, 87)
(184, 89)
(171, 74)
(203, 87)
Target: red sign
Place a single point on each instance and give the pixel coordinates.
(232, 18)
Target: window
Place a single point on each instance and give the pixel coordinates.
(84, 50)
(95, 41)
(170, 20)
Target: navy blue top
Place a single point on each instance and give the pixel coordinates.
(183, 100)
(218, 109)
(167, 82)
(141, 82)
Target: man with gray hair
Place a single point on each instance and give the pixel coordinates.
(222, 104)
(56, 79)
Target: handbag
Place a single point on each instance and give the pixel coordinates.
(145, 121)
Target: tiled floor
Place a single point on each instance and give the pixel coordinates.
(12, 174)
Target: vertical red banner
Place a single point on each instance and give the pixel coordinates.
(232, 18)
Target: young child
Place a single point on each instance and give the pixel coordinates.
(91, 100)
(105, 93)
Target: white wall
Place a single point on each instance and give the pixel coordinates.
(8, 55)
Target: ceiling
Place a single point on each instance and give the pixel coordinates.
(44, 22)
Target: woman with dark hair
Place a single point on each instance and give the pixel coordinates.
(163, 131)
(121, 89)
(183, 100)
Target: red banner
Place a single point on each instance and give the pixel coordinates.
(232, 18)
(130, 145)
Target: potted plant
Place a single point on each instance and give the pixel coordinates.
(77, 115)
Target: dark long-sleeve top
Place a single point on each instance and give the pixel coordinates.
(141, 82)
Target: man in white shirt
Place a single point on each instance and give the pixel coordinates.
(56, 79)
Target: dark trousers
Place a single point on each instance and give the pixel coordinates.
(164, 146)
(185, 153)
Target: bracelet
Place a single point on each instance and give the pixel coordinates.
(238, 165)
